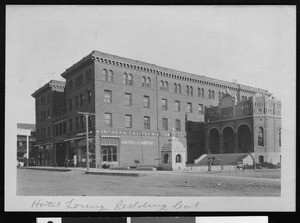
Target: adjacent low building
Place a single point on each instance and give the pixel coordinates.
(133, 107)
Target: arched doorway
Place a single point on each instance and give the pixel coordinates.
(228, 135)
(214, 141)
(244, 134)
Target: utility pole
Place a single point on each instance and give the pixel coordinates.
(86, 115)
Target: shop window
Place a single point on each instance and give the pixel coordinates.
(109, 153)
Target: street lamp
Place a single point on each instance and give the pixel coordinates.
(86, 115)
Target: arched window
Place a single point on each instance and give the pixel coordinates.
(187, 90)
(148, 82)
(143, 81)
(199, 92)
(179, 88)
(166, 158)
(166, 86)
(191, 91)
(260, 136)
(110, 76)
(130, 79)
(105, 74)
(162, 85)
(209, 94)
(125, 78)
(220, 95)
(178, 158)
(279, 137)
(213, 94)
(175, 88)
(202, 92)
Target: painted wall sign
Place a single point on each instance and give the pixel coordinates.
(130, 142)
(135, 133)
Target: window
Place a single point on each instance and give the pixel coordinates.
(166, 158)
(279, 137)
(70, 104)
(179, 89)
(110, 76)
(202, 92)
(89, 96)
(146, 101)
(48, 113)
(199, 92)
(130, 79)
(77, 101)
(77, 122)
(164, 104)
(90, 121)
(191, 91)
(220, 95)
(146, 122)
(175, 88)
(164, 123)
(209, 94)
(177, 106)
(82, 122)
(108, 119)
(187, 90)
(166, 86)
(70, 125)
(260, 136)
(125, 78)
(128, 99)
(213, 94)
(148, 82)
(189, 107)
(200, 109)
(107, 97)
(109, 153)
(143, 81)
(128, 121)
(81, 100)
(178, 125)
(261, 159)
(105, 75)
(178, 158)
(162, 85)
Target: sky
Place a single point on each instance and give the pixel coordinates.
(255, 45)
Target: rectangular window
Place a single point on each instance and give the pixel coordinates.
(178, 125)
(177, 106)
(128, 99)
(82, 122)
(70, 125)
(107, 97)
(146, 101)
(77, 101)
(108, 119)
(89, 97)
(90, 121)
(81, 100)
(164, 104)
(70, 104)
(146, 122)
(128, 121)
(189, 108)
(77, 122)
(200, 109)
(165, 124)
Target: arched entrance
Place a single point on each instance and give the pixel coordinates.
(228, 144)
(244, 135)
(214, 141)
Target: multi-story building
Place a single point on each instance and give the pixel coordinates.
(135, 105)
(239, 125)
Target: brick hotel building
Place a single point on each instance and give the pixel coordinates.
(136, 104)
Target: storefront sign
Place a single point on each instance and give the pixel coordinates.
(130, 142)
(136, 133)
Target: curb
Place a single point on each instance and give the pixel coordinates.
(116, 174)
(48, 169)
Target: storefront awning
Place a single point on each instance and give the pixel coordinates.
(110, 137)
